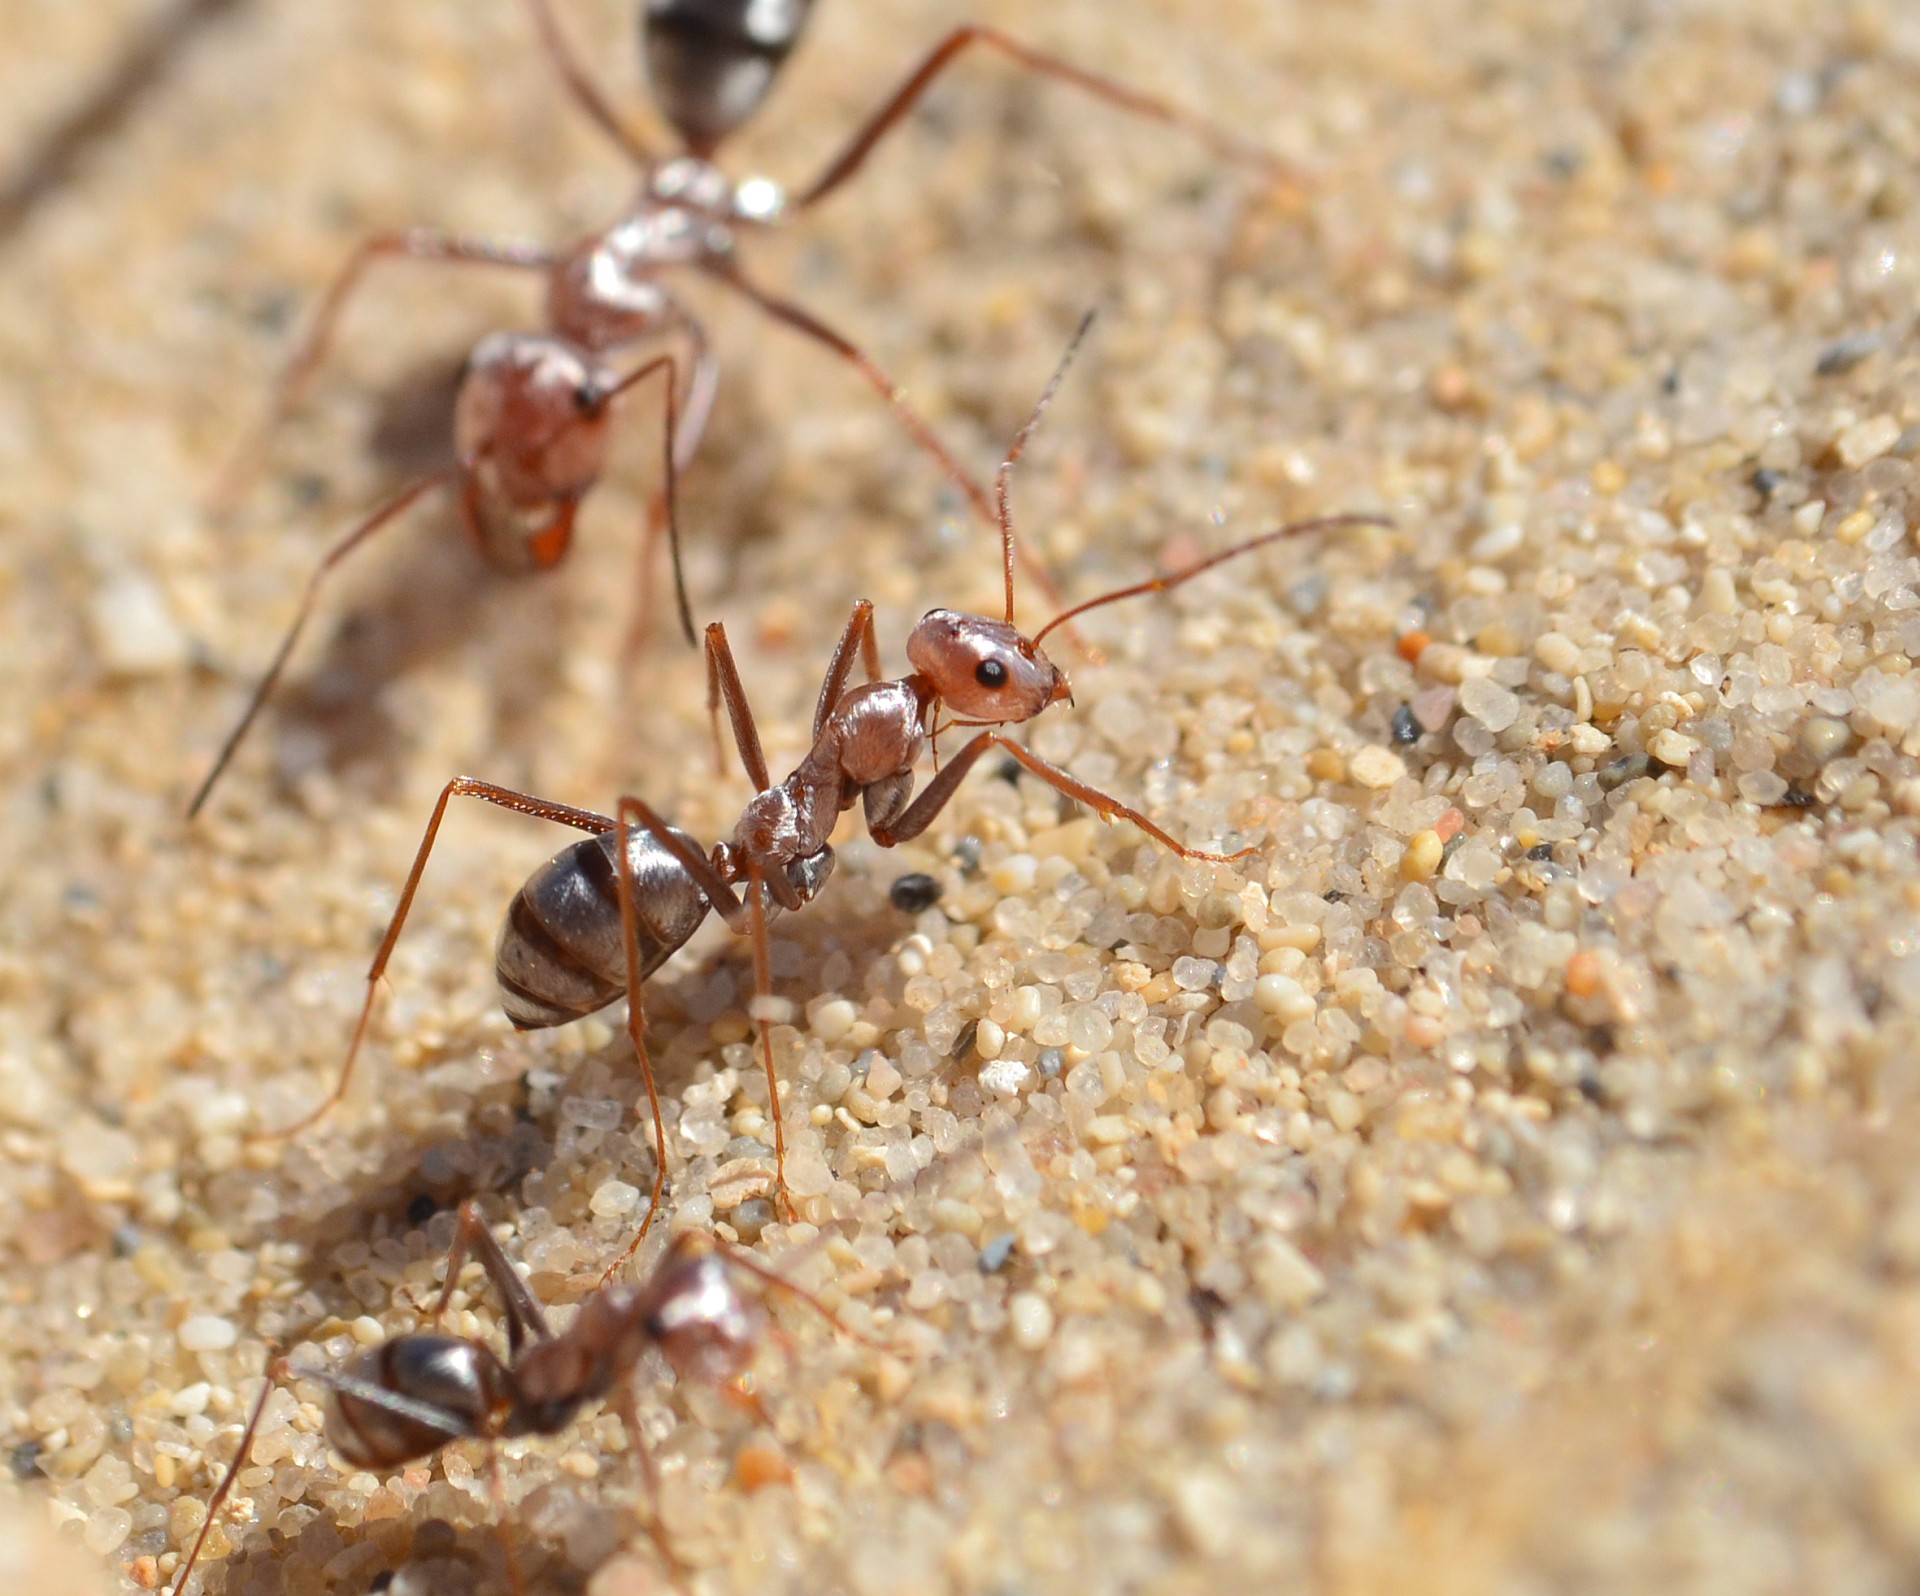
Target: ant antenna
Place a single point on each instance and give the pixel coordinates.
(1160, 584)
(1002, 479)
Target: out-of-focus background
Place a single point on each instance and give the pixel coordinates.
(1503, 1181)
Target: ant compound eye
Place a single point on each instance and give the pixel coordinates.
(990, 673)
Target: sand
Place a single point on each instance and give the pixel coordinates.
(1503, 1180)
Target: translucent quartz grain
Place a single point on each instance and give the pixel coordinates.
(1577, 938)
(1486, 701)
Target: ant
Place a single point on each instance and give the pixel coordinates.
(606, 912)
(530, 421)
(410, 1396)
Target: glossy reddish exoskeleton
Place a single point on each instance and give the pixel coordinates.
(532, 416)
(601, 915)
(406, 1398)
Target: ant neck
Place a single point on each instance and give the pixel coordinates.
(925, 695)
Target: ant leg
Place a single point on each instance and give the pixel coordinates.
(763, 995)
(723, 681)
(805, 322)
(525, 1321)
(919, 814)
(580, 84)
(712, 887)
(720, 896)
(419, 243)
(776, 1281)
(460, 787)
(684, 433)
(402, 501)
(497, 1492)
(629, 1410)
(663, 510)
(276, 1367)
(858, 631)
(943, 55)
(637, 1030)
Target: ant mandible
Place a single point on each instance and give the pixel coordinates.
(606, 912)
(530, 421)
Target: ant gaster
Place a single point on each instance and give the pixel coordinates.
(604, 913)
(408, 1397)
(531, 417)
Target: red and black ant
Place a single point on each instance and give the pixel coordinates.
(408, 1397)
(531, 419)
(606, 912)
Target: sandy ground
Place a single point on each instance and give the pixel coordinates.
(1505, 1180)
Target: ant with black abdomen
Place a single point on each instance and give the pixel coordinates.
(605, 913)
(531, 420)
(404, 1399)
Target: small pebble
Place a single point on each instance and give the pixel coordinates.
(1494, 706)
(1866, 440)
(1406, 729)
(107, 1529)
(1376, 767)
(134, 633)
(1422, 858)
(1031, 1318)
(207, 1333)
(833, 1020)
(1284, 998)
(614, 1199)
(1822, 737)
(912, 893)
(1673, 748)
(1841, 356)
(1005, 1077)
(883, 1079)
(1194, 975)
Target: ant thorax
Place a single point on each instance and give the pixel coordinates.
(607, 291)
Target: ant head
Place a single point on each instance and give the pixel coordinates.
(984, 670)
(694, 1310)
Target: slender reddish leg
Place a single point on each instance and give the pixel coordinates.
(858, 632)
(663, 510)
(748, 918)
(943, 55)
(805, 322)
(418, 243)
(637, 1031)
(723, 682)
(497, 1494)
(401, 501)
(686, 427)
(935, 796)
(586, 92)
(460, 787)
(472, 1239)
(763, 994)
(276, 1370)
(629, 1410)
